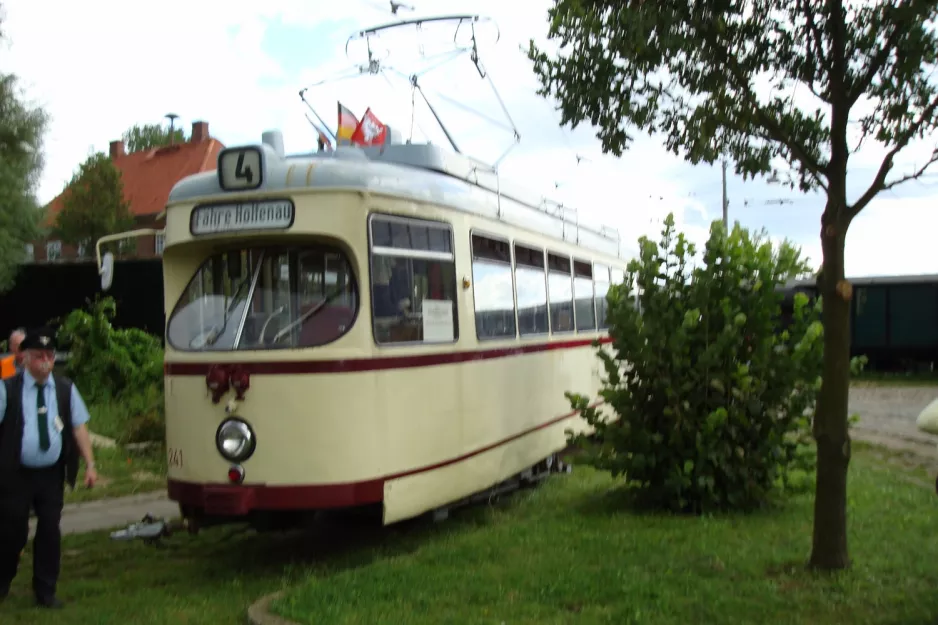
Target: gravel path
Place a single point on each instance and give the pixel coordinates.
(887, 418)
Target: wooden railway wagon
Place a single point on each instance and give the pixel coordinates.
(893, 319)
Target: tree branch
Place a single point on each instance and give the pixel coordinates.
(876, 64)
(814, 32)
(773, 128)
(879, 181)
(933, 159)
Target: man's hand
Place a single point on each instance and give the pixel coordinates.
(84, 445)
(91, 477)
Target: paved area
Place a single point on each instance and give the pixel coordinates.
(892, 411)
(887, 418)
(113, 513)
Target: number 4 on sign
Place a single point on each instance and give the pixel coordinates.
(241, 168)
(242, 172)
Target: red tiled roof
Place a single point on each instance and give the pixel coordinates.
(149, 175)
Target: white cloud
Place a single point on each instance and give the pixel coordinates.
(114, 64)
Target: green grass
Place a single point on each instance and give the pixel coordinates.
(875, 378)
(121, 473)
(564, 553)
(571, 554)
(108, 419)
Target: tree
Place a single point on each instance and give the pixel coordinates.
(711, 395)
(687, 69)
(21, 132)
(93, 203)
(147, 136)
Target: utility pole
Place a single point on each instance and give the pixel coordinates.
(726, 201)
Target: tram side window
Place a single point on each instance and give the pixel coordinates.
(601, 284)
(493, 292)
(583, 296)
(413, 274)
(560, 293)
(531, 290)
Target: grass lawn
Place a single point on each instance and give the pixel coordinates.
(560, 554)
(120, 472)
(568, 554)
(876, 378)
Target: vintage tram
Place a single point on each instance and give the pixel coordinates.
(389, 327)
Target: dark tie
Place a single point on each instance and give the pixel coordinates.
(42, 417)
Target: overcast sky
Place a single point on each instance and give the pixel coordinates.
(102, 65)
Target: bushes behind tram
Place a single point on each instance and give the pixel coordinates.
(714, 410)
(119, 371)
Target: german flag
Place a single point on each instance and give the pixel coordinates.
(347, 123)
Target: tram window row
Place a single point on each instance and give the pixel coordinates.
(551, 293)
(303, 295)
(518, 291)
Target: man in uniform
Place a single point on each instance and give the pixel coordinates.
(42, 432)
(13, 364)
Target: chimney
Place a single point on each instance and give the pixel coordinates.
(117, 149)
(199, 132)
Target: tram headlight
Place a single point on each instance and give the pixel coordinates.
(235, 440)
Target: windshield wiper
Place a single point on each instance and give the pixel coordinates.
(214, 336)
(310, 313)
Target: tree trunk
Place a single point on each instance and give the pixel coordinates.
(829, 549)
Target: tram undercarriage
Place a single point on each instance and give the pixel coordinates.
(151, 530)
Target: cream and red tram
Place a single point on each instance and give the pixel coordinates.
(385, 327)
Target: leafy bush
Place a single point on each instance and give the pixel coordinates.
(110, 365)
(146, 417)
(713, 400)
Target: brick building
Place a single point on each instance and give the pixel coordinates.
(148, 177)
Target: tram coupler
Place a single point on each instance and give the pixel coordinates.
(150, 530)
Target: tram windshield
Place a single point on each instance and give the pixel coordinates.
(266, 298)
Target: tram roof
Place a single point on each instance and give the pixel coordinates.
(418, 171)
(810, 283)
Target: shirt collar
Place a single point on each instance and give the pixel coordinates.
(30, 381)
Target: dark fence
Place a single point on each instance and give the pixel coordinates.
(44, 292)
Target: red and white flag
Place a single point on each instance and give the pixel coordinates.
(370, 130)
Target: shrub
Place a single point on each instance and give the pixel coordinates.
(146, 417)
(712, 400)
(105, 362)
(111, 365)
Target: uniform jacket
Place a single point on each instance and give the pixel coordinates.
(11, 432)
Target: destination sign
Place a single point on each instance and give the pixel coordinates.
(260, 215)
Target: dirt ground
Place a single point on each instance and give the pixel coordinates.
(887, 419)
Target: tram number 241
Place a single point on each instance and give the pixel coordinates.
(175, 457)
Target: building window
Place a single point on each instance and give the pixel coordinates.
(560, 293)
(158, 242)
(413, 279)
(583, 293)
(30, 252)
(531, 290)
(53, 250)
(492, 291)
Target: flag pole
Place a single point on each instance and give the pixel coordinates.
(335, 137)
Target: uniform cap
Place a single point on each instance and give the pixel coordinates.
(40, 338)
